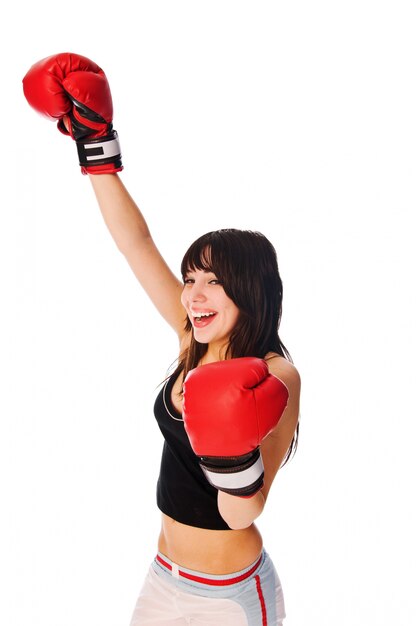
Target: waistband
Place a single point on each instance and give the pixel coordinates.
(180, 572)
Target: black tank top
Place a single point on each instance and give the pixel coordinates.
(182, 492)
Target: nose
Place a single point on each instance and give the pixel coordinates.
(196, 292)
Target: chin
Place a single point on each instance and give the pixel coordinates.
(200, 340)
(210, 339)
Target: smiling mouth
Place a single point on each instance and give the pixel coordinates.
(203, 319)
(202, 315)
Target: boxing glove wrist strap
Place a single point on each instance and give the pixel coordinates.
(235, 476)
(100, 151)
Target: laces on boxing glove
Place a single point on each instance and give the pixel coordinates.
(97, 143)
(238, 475)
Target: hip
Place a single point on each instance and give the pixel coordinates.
(173, 594)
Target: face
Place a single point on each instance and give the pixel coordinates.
(211, 312)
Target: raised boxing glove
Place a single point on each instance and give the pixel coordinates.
(229, 407)
(74, 90)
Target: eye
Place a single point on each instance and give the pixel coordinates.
(188, 281)
(215, 281)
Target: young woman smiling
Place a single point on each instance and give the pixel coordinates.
(228, 413)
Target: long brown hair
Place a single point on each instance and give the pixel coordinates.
(245, 263)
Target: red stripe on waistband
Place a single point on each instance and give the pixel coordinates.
(159, 558)
(210, 581)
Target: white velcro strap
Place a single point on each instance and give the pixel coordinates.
(101, 150)
(237, 480)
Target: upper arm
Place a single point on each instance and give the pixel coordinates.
(277, 443)
(161, 285)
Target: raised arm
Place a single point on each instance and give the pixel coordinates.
(132, 237)
(74, 90)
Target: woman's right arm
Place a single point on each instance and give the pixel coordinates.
(131, 234)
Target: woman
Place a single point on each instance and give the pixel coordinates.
(229, 412)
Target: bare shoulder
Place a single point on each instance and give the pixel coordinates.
(286, 371)
(289, 375)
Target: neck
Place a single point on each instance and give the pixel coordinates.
(215, 352)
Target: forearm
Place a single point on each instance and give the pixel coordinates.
(122, 216)
(240, 512)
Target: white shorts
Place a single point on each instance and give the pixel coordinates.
(176, 596)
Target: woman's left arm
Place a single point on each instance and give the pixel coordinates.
(241, 512)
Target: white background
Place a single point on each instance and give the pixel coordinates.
(293, 118)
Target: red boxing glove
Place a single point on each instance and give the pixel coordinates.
(71, 88)
(229, 407)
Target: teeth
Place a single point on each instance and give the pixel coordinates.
(198, 317)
